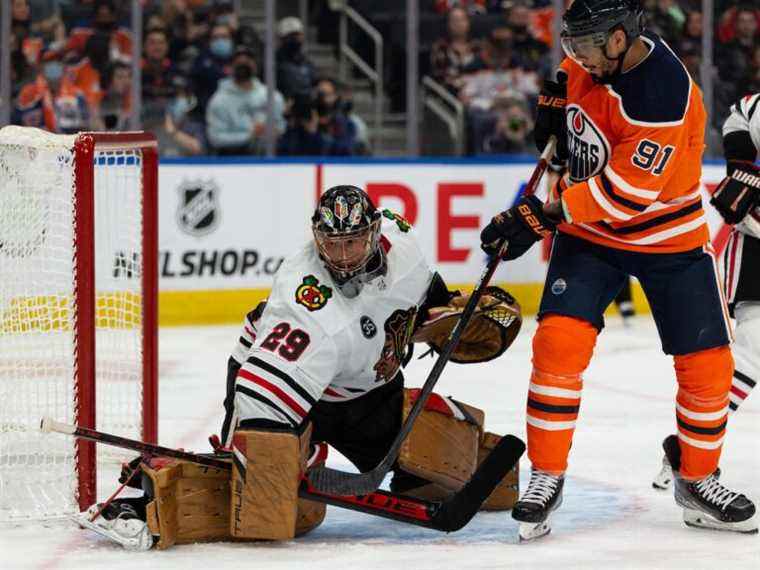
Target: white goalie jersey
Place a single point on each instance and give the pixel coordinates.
(745, 116)
(312, 343)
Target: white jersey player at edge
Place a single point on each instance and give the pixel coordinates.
(737, 199)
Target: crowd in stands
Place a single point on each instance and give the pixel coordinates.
(201, 68)
(497, 74)
(201, 92)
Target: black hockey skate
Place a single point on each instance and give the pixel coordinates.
(543, 495)
(708, 504)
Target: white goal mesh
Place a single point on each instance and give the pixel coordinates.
(43, 235)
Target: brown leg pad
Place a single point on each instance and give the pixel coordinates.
(191, 503)
(441, 448)
(505, 494)
(266, 472)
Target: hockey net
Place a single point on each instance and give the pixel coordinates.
(78, 291)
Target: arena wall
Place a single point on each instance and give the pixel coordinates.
(225, 226)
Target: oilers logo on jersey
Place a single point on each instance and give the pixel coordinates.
(589, 149)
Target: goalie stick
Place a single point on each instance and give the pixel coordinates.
(338, 482)
(449, 515)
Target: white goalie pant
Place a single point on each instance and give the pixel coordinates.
(746, 351)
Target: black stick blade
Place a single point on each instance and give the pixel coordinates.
(455, 513)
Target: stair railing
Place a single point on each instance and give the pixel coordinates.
(373, 73)
(447, 108)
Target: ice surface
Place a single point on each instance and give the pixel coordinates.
(611, 517)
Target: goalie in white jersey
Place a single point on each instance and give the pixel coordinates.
(322, 358)
(737, 199)
(320, 363)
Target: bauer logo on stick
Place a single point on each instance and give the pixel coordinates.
(311, 294)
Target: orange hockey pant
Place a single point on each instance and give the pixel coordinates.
(562, 349)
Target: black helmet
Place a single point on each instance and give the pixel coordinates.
(594, 20)
(346, 228)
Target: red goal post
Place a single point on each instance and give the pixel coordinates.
(78, 318)
(86, 148)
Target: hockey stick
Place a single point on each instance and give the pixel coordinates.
(338, 482)
(447, 516)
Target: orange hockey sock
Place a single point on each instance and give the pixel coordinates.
(562, 349)
(704, 381)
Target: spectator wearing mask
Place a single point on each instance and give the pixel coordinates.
(213, 64)
(303, 136)
(512, 128)
(236, 114)
(115, 106)
(520, 21)
(335, 122)
(450, 56)
(295, 72)
(52, 102)
(184, 123)
(104, 20)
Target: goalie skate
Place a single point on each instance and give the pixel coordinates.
(542, 497)
(708, 504)
(664, 479)
(125, 528)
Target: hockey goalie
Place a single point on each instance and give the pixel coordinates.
(320, 363)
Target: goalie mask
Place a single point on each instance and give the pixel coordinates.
(346, 228)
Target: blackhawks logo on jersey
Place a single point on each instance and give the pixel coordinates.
(311, 294)
(402, 224)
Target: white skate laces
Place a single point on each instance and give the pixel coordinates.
(541, 488)
(711, 490)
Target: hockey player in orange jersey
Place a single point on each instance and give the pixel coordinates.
(630, 127)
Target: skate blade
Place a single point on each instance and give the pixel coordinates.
(532, 531)
(139, 541)
(697, 519)
(664, 479)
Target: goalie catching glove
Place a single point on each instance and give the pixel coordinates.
(492, 329)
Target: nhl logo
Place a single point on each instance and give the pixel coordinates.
(198, 210)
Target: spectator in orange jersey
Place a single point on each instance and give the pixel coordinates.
(104, 20)
(88, 73)
(52, 102)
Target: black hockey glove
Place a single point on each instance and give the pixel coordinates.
(738, 192)
(550, 116)
(522, 225)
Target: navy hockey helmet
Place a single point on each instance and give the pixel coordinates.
(346, 227)
(589, 23)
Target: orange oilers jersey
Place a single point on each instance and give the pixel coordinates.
(636, 156)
